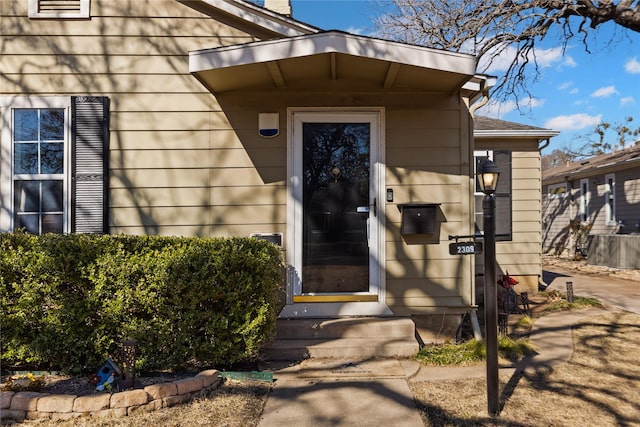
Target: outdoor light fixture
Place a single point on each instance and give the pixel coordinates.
(488, 181)
(488, 177)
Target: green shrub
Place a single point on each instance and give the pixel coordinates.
(68, 301)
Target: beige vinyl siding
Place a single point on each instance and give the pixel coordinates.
(427, 125)
(177, 166)
(521, 256)
(425, 158)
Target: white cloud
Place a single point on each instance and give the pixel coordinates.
(569, 62)
(550, 57)
(568, 86)
(573, 122)
(627, 100)
(604, 92)
(565, 85)
(356, 30)
(498, 110)
(632, 66)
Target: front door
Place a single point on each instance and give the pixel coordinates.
(335, 213)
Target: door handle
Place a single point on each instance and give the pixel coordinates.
(365, 209)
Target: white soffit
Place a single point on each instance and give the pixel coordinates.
(333, 42)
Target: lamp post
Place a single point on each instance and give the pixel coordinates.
(488, 181)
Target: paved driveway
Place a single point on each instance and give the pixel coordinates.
(612, 292)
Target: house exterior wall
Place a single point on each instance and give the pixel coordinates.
(628, 195)
(163, 157)
(183, 162)
(557, 213)
(426, 151)
(521, 256)
(560, 211)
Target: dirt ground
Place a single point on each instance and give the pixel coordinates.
(581, 266)
(599, 386)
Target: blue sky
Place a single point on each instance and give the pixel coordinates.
(576, 91)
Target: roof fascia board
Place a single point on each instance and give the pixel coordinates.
(485, 134)
(590, 172)
(253, 15)
(328, 42)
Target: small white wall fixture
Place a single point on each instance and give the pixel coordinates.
(268, 125)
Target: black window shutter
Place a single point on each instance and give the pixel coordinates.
(502, 159)
(90, 173)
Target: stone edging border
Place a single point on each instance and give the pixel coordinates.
(19, 406)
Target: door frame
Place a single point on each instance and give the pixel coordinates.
(357, 304)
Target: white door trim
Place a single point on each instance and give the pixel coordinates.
(374, 301)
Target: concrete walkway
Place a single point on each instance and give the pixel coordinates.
(321, 392)
(611, 291)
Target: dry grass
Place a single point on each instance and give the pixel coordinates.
(235, 404)
(599, 386)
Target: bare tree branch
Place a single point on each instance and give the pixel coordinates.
(491, 28)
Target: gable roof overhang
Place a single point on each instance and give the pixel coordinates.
(328, 58)
(490, 128)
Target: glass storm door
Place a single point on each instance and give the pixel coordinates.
(336, 214)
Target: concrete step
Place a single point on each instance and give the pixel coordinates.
(345, 328)
(343, 338)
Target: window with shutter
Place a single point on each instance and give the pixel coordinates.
(53, 178)
(502, 159)
(63, 9)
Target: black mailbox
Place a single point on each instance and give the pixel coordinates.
(418, 218)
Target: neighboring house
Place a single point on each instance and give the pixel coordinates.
(515, 148)
(222, 118)
(599, 197)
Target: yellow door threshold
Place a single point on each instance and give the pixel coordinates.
(335, 298)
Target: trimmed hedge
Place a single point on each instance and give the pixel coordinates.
(68, 301)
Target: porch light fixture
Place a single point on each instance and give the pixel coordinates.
(488, 177)
(488, 181)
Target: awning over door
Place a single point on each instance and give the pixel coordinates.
(331, 59)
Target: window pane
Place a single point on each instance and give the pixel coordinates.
(26, 158)
(52, 158)
(27, 196)
(25, 126)
(52, 125)
(28, 222)
(52, 196)
(52, 223)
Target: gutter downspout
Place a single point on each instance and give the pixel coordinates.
(486, 84)
(545, 144)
